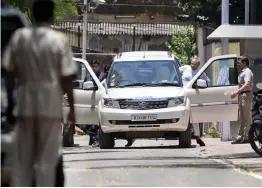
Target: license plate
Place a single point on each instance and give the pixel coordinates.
(144, 117)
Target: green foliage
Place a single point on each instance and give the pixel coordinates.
(23, 5)
(183, 45)
(62, 7)
(65, 8)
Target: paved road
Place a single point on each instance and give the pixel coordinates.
(153, 163)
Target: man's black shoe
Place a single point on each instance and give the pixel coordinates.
(95, 144)
(201, 143)
(130, 142)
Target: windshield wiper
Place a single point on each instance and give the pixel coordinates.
(150, 84)
(136, 84)
(165, 84)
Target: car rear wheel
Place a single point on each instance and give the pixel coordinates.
(106, 140)
(68, 135)
(185, 138)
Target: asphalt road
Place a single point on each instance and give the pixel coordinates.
(149, 163)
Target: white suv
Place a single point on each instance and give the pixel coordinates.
(143, 97)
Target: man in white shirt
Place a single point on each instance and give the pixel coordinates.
(188, 72)
(41, 60)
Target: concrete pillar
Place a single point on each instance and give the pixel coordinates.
(247, 10)
(200, 46)
(225, 127)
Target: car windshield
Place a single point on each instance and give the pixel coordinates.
(144, 73)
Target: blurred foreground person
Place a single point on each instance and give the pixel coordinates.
(41, 61)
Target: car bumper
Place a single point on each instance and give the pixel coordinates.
(168, 119)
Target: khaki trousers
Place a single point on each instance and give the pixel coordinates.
(245, 101)
(36, 151)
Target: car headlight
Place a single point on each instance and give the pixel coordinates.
(175, 101)
(110, 103)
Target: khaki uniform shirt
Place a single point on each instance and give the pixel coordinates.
(245, 75)
(39, 56)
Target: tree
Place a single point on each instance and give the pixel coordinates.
(63, 7)
(208, 12)
(23, 5)
(183, 45)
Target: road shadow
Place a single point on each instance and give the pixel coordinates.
(246, 155)
(155, 147)
(161, 166)
(89, 152)
(136, 159)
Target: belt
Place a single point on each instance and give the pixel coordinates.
(244, 92)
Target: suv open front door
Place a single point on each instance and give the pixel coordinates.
(86, 94)
(211, 98)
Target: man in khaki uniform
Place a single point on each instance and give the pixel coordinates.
(245, 95)
(41, 60)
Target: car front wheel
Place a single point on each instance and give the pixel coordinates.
(185, 138)
(106, 140)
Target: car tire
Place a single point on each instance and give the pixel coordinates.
(68, 136)
(106, 140)
(185, 138)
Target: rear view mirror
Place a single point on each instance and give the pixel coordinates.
(201, 83)
(89, 85)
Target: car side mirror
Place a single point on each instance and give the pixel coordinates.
(200, 83)
(90, 85)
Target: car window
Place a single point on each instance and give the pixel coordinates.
(82, 75)
(148, 72)
(221, 73)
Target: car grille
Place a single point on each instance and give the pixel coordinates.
(142, 105)
(128, 122)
